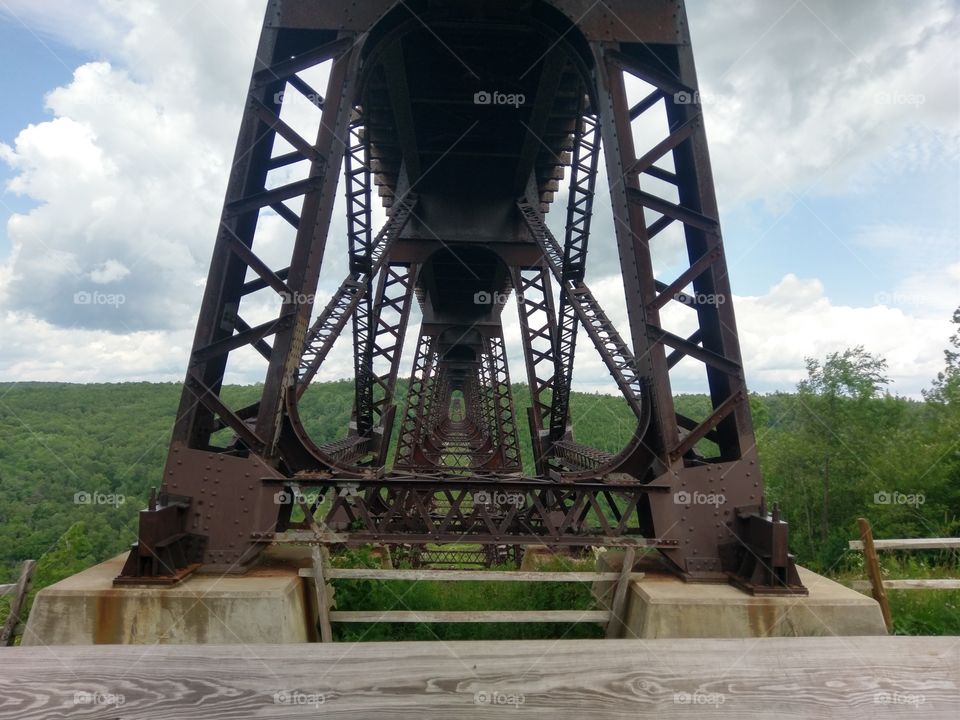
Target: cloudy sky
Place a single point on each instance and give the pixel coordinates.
(835, 139)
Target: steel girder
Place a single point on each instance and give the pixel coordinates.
(583, 180)
(611, 347)
(449, 508)
(360, 249)
(484, 556)
(538, 332)
(333, 319)
(391, 309)
(416, 410)
(507, 455)
(719, 540)
(192, 512)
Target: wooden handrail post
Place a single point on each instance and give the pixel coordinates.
(9, 632)
(873, 571)
(322, 596)
(618, 624)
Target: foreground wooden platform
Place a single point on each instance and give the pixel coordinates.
(829, 677)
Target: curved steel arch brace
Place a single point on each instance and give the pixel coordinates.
(636, 459)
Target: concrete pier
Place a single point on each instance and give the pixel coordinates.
(267, 605)
(663, 606)
(272, 604)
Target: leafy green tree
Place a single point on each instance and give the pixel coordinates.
(823, 467)
(853, 373)
(73, 552)
(946, 387)
(943, 400)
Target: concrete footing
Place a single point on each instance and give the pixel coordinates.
(663, 606)
(272, 604)
(267, 605)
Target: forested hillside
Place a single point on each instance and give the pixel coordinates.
(89, 454)
(77, 461)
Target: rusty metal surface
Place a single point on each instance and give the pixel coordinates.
(492, 509)
(627, 21)
(423, 556)
(649, 21)
(314, 14)
(485, 109)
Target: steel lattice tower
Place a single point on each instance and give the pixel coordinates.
(464, 119)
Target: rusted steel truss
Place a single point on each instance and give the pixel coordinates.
(422, 555)
(475, 510)
(333, 319)
(583, 181)
(467, 167)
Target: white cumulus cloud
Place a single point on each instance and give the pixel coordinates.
(128, 176)
(109, 272)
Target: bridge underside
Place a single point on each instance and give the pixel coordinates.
(469, 122)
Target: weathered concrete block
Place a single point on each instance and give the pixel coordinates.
(267, 605)
(663, 606)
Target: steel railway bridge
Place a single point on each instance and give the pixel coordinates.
(463, 120)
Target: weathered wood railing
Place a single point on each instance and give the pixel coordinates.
(322, 573)
(817, 678)
(878, 586)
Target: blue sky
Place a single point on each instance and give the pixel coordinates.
(818, 237)
(41, 63)
(44, 62)
(840, 207)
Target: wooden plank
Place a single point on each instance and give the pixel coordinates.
(9, 631)
(923, 584)
(617, 625)
(907, 584)
(910, 544)
(469, 616)
(321, 596)
(467, 575)
(835, 678)
(873, 571)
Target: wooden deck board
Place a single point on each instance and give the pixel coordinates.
(876, 677)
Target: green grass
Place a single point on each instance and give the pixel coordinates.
(918, 612)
